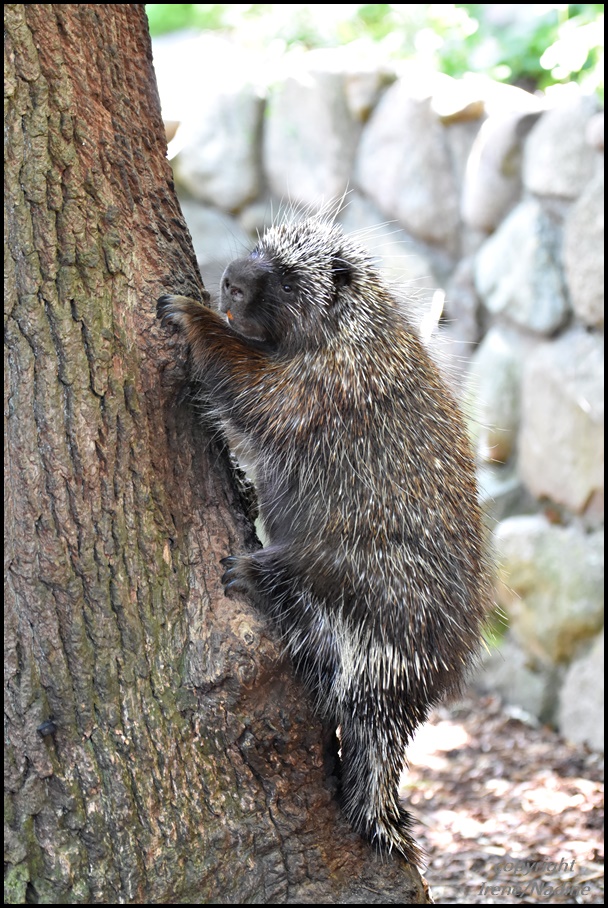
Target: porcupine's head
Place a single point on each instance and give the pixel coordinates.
(297, 285)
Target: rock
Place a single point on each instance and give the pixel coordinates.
(581, 701)
(594, 134)
(502, 494)
(462, 304)
(561, 443)
(456, 100)
(171, 127)
(510, 672)
(310, 138)
(518, 271)
(584, 253)
(218, 160)
(494, 392)
(492, 183)
(404, 165)
(473, 95)
(254, 219)
(363, 88)
(551, 585)
(558, 161)
(363, 65)
(461, 136)
(459, 329)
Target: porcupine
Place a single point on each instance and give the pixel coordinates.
(373, 568)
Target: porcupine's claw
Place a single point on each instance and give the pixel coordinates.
(232, 578)
(164, 309)
(177, 310)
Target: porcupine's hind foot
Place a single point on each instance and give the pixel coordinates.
(257, 574)
(369, 792)
(239, 574)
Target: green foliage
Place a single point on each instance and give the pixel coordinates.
(170, 17)
(533, 45)
(517, 47)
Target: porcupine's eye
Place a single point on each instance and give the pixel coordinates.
(284, 284)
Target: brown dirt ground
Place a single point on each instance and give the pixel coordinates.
(492, 793)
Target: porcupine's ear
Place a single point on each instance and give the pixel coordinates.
(342, 272)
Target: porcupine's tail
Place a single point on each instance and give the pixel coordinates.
(372, 761)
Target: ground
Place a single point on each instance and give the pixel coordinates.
(508, 812)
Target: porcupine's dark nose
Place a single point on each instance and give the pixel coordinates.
(232, 290)
(236, 287)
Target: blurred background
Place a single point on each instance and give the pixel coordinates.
(467, 144)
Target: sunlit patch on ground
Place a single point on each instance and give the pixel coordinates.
(507, 813)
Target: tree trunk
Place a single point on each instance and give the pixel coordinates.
(158, 748)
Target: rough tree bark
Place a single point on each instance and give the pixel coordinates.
(158, 748)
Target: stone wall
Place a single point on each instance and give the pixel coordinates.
(493, 198)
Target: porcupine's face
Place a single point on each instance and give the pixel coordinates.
(286, 293)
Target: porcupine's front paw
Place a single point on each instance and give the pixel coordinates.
(176, 310)
(164, 309)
